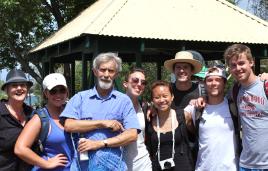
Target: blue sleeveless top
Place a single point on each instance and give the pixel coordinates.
(58, 141)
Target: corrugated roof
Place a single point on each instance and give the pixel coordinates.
(193, 20)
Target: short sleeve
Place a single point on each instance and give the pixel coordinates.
(72, 108)
(130, 117)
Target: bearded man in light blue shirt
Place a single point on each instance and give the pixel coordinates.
(105, 117)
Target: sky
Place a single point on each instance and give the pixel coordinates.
(242, 4)
(3, 74)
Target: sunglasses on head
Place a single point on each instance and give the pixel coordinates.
(137, 80)
(61, 90)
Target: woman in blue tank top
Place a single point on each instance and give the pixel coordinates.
(58, 151)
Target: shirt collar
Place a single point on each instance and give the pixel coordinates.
(4, 111)
(3, 108)
(94, 93)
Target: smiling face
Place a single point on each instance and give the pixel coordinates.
(241, 68)
(215, 86)
(17, 91)
(106, 73)
(56, 96)
(135, 84)
(183, 71)
(162, 97)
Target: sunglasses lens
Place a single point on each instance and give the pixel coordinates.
(137, 80)
(55, 90)
(52, 91)
(143, 82)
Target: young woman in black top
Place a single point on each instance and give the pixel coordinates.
(166, 134)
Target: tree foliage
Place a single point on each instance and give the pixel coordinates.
(258, 8)
(233, 1)
(25, 23)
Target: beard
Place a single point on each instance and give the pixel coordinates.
(107, 84)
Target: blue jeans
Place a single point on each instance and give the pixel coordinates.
(244, 169)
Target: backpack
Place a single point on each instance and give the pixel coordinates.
(38, 146)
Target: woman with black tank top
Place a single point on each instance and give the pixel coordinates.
(166, 136)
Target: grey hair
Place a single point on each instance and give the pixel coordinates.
(106, 57)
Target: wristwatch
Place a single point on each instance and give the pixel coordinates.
(105, 142)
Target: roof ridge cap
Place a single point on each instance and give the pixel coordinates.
(116, 12)
(99, 14)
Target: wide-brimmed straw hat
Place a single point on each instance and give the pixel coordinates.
(186, 57)
(16, 76)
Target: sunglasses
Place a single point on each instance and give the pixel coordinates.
(54, 91)
(137, 80)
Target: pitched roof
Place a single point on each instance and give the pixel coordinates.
(191, 20)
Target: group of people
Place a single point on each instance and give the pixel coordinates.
(181, 129)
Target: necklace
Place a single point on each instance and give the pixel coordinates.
(165, 122)
(18, 115)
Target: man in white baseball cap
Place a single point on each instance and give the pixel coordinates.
(214, 126)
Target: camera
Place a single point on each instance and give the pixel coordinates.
(167, 164)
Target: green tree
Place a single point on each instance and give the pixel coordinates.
(2, 93)
(256, 7)
(25, 23)
(234, 1)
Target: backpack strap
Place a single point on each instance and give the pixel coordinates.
(44, 124)
(184, 134)
(198, 116)
(233, 107)
(202, 90)
(237, 125)
(266, 88)
(41, 113)
(182, 125)
(235, 90)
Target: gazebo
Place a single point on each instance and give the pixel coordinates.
(151, 31)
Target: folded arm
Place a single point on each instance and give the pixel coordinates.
(122, 139)
(81, 126)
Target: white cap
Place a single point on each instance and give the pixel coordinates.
(53, 80)
(216, 71)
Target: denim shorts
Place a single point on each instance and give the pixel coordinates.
(245, 169)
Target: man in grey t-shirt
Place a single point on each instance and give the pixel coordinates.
(253, 109)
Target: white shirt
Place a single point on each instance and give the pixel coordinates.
(216, 138)
(136, 153)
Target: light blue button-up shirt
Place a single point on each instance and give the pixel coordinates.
(88, 105)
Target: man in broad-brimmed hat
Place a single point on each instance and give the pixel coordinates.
(184, 66)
